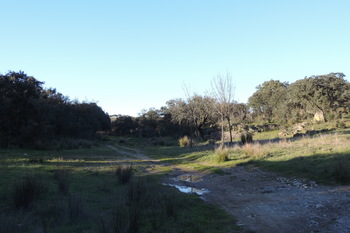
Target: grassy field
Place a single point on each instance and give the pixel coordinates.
(79, 191)
(323, 157)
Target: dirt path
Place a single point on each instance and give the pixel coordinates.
(265, 202)
(130, 152)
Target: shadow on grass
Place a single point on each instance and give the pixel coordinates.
(331, 169)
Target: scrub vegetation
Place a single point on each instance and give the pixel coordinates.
(65, 166)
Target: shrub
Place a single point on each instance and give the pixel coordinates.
(122, 222)
(254, 150)
(246, 137)
(124, 173)
(340, 124)
(36, 160)
(73, 143)
(26, 191)
(221, 154)
(136, 196)
(184, 141)
(340, 172)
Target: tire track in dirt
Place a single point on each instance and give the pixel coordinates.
(130, 152)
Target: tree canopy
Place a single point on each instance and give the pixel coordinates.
(32, 116)
(280, 102)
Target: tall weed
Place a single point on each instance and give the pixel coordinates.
(124, 173)
(26, 191)
(63, 180)
(184, 141)
(340, 171)
(75, 207)
(221, 154)
(255, 150)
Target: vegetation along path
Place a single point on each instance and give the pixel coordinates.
(264, 201)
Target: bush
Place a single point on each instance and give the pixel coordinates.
(340, 124)
(26, 191)
(124, 173)
(221, 154)
(184, 141)
(255, 150)
(340, 172)
(246, 137)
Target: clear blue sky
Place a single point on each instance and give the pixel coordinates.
(133, 55)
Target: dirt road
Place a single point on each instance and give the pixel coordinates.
(264, 202)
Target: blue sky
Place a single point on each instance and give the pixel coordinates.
(133, 55)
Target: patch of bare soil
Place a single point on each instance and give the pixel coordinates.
(264, 202)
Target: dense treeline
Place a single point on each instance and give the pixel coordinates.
(276, 102)
(283, 103)
(32, 116)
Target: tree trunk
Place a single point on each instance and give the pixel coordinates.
(222, 130)
(230, 129)
(200, 131)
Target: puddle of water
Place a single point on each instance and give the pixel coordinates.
(187, 189)
(188, 178)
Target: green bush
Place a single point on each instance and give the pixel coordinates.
(246, 137)
(340, 124)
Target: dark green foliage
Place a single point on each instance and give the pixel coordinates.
(149, 123)
(124, 173)
(282, 103)
(156, 123)
(26, 191)
(328, 94)
(340, 124)
(124, 126)
(267, 101)
(32, 116)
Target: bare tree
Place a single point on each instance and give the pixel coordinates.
(223, 92)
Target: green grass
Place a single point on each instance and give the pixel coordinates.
(82, 194)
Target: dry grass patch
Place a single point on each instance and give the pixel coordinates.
(255, 150)
(221, 154)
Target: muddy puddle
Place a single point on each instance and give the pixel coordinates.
(188, 189)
